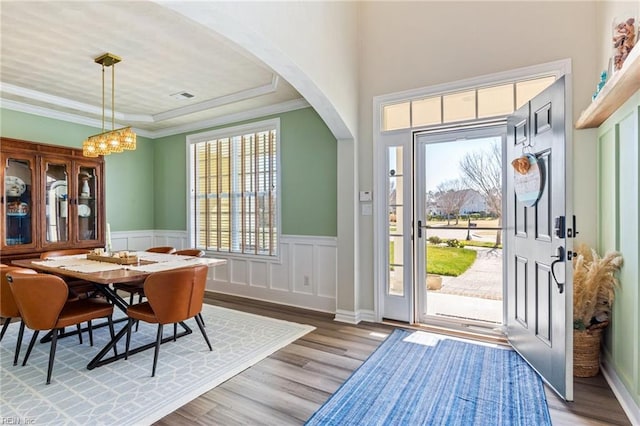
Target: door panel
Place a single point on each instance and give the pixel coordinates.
(539, 309)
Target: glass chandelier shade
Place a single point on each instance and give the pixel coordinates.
(116, 140)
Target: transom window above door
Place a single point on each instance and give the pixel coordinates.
(462, 105)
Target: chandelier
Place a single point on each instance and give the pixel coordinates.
(116, 140)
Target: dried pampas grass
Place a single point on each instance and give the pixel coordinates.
(594, 284)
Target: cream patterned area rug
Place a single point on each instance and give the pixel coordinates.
(123, 392)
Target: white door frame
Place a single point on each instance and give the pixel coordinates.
(493, 128)
(382, 140)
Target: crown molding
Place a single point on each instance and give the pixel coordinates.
(280, 108)
(59, 101)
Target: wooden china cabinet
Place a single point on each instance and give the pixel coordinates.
(53, 199)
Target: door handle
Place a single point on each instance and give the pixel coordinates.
(559, 256)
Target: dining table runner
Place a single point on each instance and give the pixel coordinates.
(160, 262)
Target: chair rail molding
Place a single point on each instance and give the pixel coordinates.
(304, 275)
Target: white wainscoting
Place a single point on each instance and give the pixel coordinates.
(305, 275)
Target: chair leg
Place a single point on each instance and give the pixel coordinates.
(113, 334)
(155, 355)
(204, 333)
(18, 343)
(79, 332)
(201, 319)
(4, 327)
(175, 331)
(52, 354)
(90, 328)
(126, 348)
(31, 343)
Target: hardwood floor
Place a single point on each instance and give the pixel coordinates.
(290, 385)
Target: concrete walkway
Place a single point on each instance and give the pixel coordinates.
(476, 294)
(483, 279)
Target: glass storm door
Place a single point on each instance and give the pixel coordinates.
(458, 226)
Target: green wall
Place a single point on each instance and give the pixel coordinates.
(146, 188)
(619, 229)
(308, 157)
(129, 175)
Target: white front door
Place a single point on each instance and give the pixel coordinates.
(538, 244)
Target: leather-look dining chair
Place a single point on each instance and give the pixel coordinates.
(161, 249)
(77, 288)
(43, 303)
(190, 252)
(136, 287)
(173, 296)
(8, 307)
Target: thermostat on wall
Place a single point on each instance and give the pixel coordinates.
(365, 195)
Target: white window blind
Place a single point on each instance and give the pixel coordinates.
(234, 196)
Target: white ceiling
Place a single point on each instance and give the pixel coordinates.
(47, 67)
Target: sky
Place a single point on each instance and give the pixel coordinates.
(443, 159)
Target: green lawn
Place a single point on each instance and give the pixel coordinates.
(451, 261)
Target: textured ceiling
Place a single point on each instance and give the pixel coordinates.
(47, 67)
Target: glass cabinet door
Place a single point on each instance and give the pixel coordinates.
(87, 195)
(56, 202)
(18, 224)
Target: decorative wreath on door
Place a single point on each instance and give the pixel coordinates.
(528, 179)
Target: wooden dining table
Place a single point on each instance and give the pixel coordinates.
(104, 275)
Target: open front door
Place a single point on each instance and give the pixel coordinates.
(539, 289)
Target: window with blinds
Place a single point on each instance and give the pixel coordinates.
(234, 205)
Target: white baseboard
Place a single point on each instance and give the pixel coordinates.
(625, 399)
(351, 317)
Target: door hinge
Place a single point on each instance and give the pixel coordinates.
(419, 229)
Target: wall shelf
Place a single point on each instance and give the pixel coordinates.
(615, 92)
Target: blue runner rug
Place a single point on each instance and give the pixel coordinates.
(418, 378)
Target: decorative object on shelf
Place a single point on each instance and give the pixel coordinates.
(14, 186)
(624, 37)
(85, 191)
(84, 210)
(528, 179)
(116, 140)
(601, 83)
(594, 284)
(17, 208)
(108, 239)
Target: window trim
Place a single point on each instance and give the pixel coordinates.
(253, 127)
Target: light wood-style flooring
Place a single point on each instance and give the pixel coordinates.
(287, 387)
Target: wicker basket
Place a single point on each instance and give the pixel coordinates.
(586, 350)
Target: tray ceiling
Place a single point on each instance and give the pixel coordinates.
(47, 67)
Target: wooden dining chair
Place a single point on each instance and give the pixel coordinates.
(43, 303)
(173, 296)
